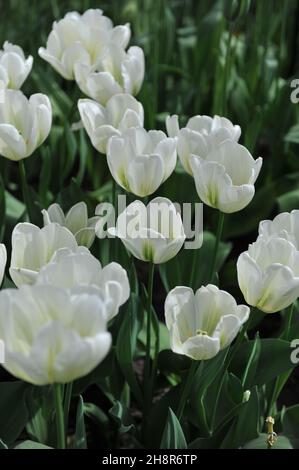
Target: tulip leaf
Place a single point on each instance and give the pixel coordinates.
(261, 443)
(41, 425)
(100, 372)
(169, 361)
(245, 425)
(2, 445)
(288, 201)
(122, 417)
(274, 359)
(45, 176)
(247, 220)
(14, 207)
(83, 153)
(192, 267)
(159, 415)
(13, 410)
(173, 435)
(2, 208)
(80, 434)
(290, 421)
(126, 345)
(31, 445)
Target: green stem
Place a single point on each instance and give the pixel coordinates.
(67, 403)
(186, 390)
(60, 428)
(25, 188)
(147, 372)
(216, 247)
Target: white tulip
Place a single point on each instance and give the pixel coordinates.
(118, 71)
(52, 335)
(268, 274)
(24, 124)
(141, 161)
(284, 225)
(225, 178)
(70, 269)
(121, 112)
(76, 220)
(82, 39)
(203, 323)
(200, 136)
(152, 233)
(33, 247)
(14, 67)
(3, 260)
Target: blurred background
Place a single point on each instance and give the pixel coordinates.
(202, 57)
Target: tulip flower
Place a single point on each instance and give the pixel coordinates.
(14, 67)
(76, 220)
(268, 274)
(118, 71)
(121, 112)
(70, 269)
(152, 233)
(284, 225)
(33, 247)
(200, 136)
(141, 161)
(202, 324)
(3, 259)
(82, 39)
(24, 124)
(225, 178)
(52, 335)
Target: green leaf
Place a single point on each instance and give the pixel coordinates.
(288, 201)
(100, 372)
(45, 175)
(293, 135)
(261, 443)
(2, 208)
(93, 412)
(191, 267)
(126, 345)
(252, 364)
(122, 417)
(169, 361)
(246, 221)
(31, 445)
(246, 425)
(14, 207)
(290, 421)
(80, 434)
(274, 359)
(2, 445)
(173, 436)
(13, 410)
(41, 425)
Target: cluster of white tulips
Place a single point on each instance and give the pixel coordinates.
(55, 324)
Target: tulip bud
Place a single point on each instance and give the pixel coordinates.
(76, 220)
